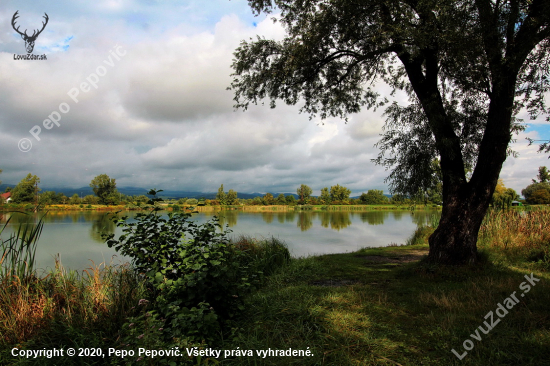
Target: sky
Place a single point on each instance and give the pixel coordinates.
(137, 90)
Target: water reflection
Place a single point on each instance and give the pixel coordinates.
(305, 220)
(77, 235)
(336, 220)
(228, 218)
(374, 217)
(102, 225)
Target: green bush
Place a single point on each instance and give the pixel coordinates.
(196, 279)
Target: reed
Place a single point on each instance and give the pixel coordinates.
(18, 251)
(265, 255)
(61, 307)
(518, 233)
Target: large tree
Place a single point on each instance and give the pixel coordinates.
(468, 67)
(104, 188)
(339, 193)
(304, 192)
(26, 190)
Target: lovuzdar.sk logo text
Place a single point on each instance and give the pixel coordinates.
(29, 40)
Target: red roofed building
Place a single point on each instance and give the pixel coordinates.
(6, 196)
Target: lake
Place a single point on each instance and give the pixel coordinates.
(76, 235)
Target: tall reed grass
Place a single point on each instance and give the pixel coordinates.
(518, 232)
(423, 232)
(61, 307)
(265, 255)
(18, 251)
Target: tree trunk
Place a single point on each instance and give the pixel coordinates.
(454, 241)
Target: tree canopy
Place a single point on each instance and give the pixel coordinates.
(304, 192)
(543, 176)
(26, 190)
(373, 197)
(339, 194)
(468, 67)
(104, 188)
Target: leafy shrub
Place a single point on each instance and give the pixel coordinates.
(197, 280)
(192, 201)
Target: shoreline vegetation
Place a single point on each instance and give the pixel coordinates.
(245, 208)
(375, 306)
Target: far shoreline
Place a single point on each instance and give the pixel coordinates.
(208, 208)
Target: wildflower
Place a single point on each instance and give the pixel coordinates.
(161, 329)
(143, 302)
(141, 336)
(139, 359)
(131, 325)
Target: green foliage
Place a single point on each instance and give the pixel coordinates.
(197, 280)
(220, 197)
(325, 196)
(268, 199)
(192, 201)
(281, 199)
(265, 256)
(75, 199)
(537, 193)
(373, 197)
(290, 200)
(304, 192)
(231, 197)
(105, 189)
(339, 193)
(543, 176)
(90, 200)
(51, 197)
(26, 190)
(503, 197)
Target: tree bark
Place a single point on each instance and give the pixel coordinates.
(454, 241)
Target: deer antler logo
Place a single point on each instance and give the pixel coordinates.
(29, 40)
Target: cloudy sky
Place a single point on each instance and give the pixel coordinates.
(159, 115)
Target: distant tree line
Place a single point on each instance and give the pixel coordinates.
(105, 193)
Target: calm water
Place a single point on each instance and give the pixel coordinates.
(76, 237)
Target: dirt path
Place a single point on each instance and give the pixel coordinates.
(401, 256)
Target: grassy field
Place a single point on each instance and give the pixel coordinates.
(381, 306)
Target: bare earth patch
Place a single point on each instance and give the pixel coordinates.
(407, 257)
